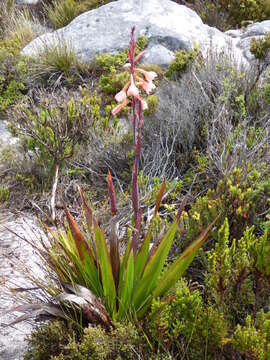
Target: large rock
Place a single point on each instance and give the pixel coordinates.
(169, 26)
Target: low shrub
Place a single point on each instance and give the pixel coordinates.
(152, 102)
(181, 62)
(60, 341)
(12, 81)
(55, 126)
(252, 339)
(228, 14)
(183, 326)
(259, 47)
(4, 194)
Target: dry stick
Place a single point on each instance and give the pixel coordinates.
(54, 188)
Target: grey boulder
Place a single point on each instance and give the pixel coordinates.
(168, 26)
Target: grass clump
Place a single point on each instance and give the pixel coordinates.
(62, 12)
(57, 65)
(260, 47)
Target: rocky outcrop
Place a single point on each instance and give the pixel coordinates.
(169, 26)
(13, 252)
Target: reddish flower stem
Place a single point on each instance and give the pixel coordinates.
(137, 125)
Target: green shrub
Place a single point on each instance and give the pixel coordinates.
(9, 95)
(182, 319)
(55, 127)
(48, 340)
(141, 42)
(113, 83)
(110, 62)
(226, 14)
(252, 340)
(246, 10)
(59, 341)
(180, 63)
(12, 81)
(4, 194)
(260, 47)
(152, 103)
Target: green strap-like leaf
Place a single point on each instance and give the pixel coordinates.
(141, 256)
(178, 267)
(123, 265)
(154, 268)
(126, 290)
(106, 270)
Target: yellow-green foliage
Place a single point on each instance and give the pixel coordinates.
(252, 340)
(12, 81)
(110, 62)
(182, 318)
(266, 89)
(141, 43)
(10, 93)
(112, 79)
(113, 83)
(180, 63)
(20, 29)
(62, 12)
(226, 14)
(229, 276)
(47, 341)
(57, 341)
(259, 47)
(243, 10)
(152, 102)
(4, 194)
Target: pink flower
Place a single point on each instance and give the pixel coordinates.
(119, 107)
(147, 86)
(149, 75)
(144, 104)
(132, 90)
(121, 96)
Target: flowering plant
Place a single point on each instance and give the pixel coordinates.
(93, 269)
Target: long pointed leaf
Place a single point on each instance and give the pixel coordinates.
(178, 267)
(106, 270)
(154, 267)
(114, 253)
(142, 256)
(127, 287)
(80, 241)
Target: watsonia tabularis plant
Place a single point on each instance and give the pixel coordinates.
(126, 282)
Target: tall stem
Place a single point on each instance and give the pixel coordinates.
(137, 124)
